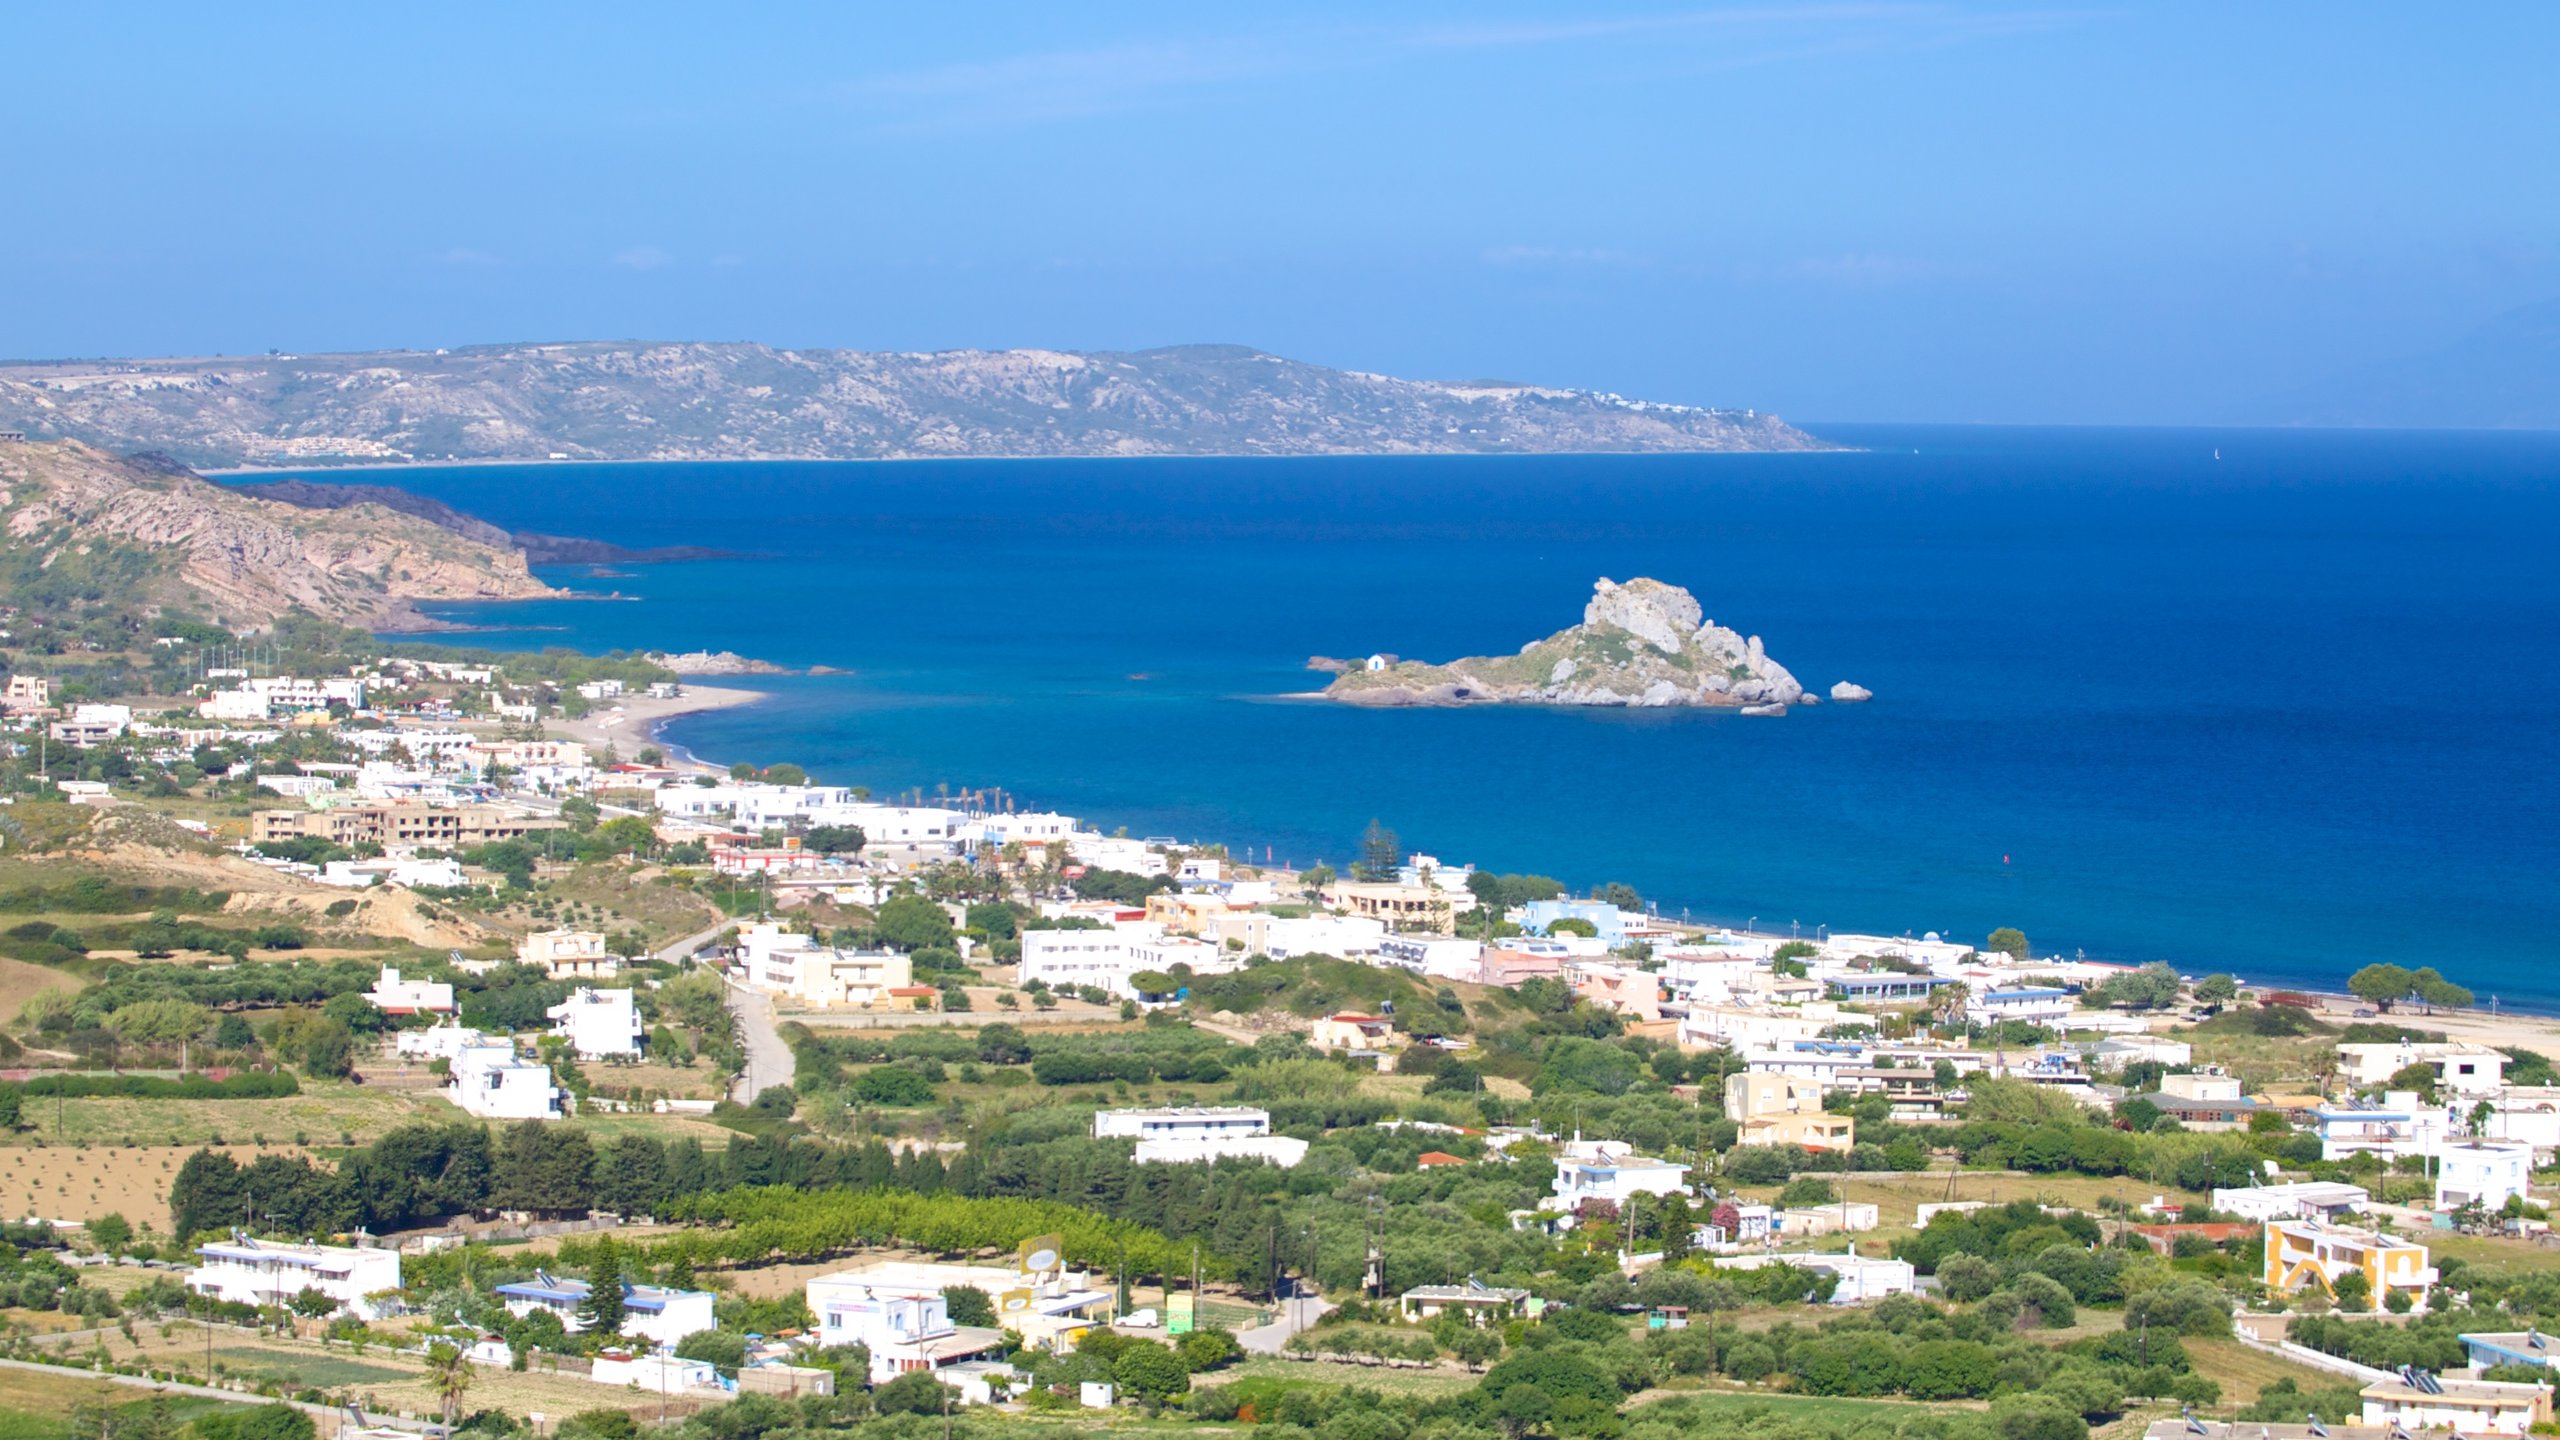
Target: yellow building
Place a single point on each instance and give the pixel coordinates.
(1404, 909)
(1774, 1109)
(2306, 1252)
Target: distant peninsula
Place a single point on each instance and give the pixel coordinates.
(1643, 644)
(632, 400)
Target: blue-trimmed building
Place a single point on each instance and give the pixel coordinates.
(2512, 1347)
(648, 1311)
(1884, 986)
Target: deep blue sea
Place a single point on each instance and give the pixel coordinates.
(2283, 713)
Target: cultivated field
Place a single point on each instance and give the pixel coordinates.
(70, 1182)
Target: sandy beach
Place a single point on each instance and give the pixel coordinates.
(628, 724)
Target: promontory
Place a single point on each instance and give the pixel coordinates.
(1643, 643)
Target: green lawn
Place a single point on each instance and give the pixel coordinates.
(1370, 1377)
(326, 1372)
(1713, 1403)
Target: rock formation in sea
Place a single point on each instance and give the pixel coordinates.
(1643, 644)
(1849, 694)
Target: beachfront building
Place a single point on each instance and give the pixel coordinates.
(246, 1271)
(649, 1312)
(796, 967)
(1611, 1170)
(491, 1082)
(2416, 1401)
(1403, 909)
(2307, 1252)
(2482, 1172)
(2043, 1005)
(1777, 1109)
(394, 996)
(598, 1024)
(2462, 1066)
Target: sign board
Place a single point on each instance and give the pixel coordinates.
(1177, 1315)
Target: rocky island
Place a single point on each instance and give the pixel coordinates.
(1643, 643)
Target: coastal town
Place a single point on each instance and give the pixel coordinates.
(628, 1090)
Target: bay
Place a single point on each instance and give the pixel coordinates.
(2284, 712)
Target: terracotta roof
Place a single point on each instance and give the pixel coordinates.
(1430, 1158)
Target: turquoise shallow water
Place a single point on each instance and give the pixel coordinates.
(2282, 713)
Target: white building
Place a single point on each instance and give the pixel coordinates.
(264, 1272)
(2461, 1066)
(2326, 1201)
(490, 1082)
(569, 954)
(1433, 955)
(649, 1312)
(394, 996)
(2033, 1004)
(655, 1374)
(2399, 1126)
(1862, 1278)
(1281, 1150)
(1067, 959)
(1182, 1122)
(1612, 1171)
(2481, 1172)
(598, 1023)
(2530, 1113)
(2465, 1407)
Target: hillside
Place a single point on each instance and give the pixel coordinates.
(88, 529)
(639, 401)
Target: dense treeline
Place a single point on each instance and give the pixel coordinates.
(250, 1085)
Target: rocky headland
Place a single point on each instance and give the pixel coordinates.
(1641, 644)
(87, 528)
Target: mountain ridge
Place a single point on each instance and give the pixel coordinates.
(735, 400)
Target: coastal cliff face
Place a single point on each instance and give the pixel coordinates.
(1643, 643)
(636, 401)
(157, 534)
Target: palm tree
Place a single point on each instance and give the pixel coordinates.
(1951, 1000)
(449, 1374)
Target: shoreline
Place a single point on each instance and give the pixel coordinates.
(378, 466)
(638, 719)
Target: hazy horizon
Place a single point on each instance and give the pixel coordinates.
(1856, 212)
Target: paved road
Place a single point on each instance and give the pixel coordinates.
(685, 947)
(1295, 1315)
(769, 1061)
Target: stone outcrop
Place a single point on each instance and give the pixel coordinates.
(172, 538)
(1642, 644)
(1848, 694)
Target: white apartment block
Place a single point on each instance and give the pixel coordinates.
(598, 1024)
(1432, 955)
(394, 996)
(262, 1272)
(2460, 1066)
(2042, 1005)
(649, 1312)
(1066, 959)
(2481, 1172)
(1612, 1171)
(490, 1082)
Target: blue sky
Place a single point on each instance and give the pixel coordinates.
(2134, 213)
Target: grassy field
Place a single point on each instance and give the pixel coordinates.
(21, 982)
(37, 1406)
(2244, 1372)
(321, 1114)
(1369, 1377)
(296, 1370)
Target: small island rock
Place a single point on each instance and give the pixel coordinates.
(1848, 694)
(1643, 644)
